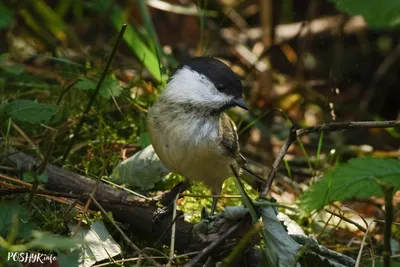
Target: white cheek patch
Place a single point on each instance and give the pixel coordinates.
(190, 86)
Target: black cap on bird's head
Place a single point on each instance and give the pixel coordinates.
(222, 77)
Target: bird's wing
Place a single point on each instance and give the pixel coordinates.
(229, 141)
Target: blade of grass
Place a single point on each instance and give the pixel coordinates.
(321, 136)
(253, 122)
(305, 153)
(53, 21)
(245, 198)
(288, 168)
(134, 41)
(148, 24)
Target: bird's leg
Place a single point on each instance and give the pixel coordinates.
(214, 192)
(167, 200)
(214, 205)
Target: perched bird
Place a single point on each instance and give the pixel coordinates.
(189, 130)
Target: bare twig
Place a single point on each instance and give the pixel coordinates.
(328, 127)
(173, 232)
(278, 160)
(42, 167)
(39, 191)
(387, 232)
(95, 93)
(92, 195)
(124, 236)
(243, 244)
(27, 139)
(360, 227)
(362, 245)
(338, 126)
(205, 252)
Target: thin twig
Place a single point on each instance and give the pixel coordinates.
(27, 139)
(278, 160)
(92, 195)
(42, 167)
(338, 126)
(362, 245)
(328, 127)
(95, 93)
(124, 236)
(360, 227)
(387, 232)
(173, 232)
(212, 246)
(209, 196)
(39, 191)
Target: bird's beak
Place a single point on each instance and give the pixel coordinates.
(239, 102)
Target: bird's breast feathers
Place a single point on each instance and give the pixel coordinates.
(191, 146)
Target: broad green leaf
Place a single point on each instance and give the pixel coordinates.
(355, 179)
(6, 17)
(376, 13)
(109, 88)
(30, 111)
(9, 211)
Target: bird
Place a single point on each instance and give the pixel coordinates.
(189, 129)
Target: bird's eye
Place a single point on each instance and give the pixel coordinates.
(220, 87)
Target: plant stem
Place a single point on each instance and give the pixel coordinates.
(95, 93)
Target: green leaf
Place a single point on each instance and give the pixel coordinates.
(30, 111)
(14, 69)
(49, 241)
(6, 17)
(29, 177)
(3, 57)
(70, 259)
(9, 210)
(355, 179)
(109, 88)
(144, 139)
(377, 13)
(86, 84)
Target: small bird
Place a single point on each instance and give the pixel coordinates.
(189, 130)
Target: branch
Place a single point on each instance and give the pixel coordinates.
(328, 127)
(205, 252)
